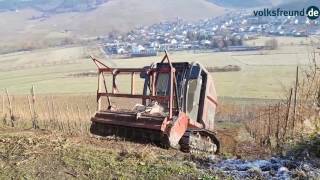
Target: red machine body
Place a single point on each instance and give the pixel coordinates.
(178, 105)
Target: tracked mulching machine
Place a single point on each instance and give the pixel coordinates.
(177, 105)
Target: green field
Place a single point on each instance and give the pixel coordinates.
(264, 74)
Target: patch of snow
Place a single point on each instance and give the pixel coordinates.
(274, 168)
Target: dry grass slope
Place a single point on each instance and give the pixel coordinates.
(52, 155)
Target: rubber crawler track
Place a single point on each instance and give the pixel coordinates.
(187, 144)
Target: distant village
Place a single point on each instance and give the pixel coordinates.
(226, 33)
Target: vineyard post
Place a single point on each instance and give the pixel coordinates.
(12, 118)
(61, 125)
(269, 126)
(30, 108)
(89, 113)
(295, 100)
(35, 124)
(68, 118)
(278, 126)
(79, 118)
(53, 113)
(2, 105)
(287, 114)
(259, 133)
(4, 114)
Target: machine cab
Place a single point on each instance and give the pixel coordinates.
(201, 99)
(195, 92)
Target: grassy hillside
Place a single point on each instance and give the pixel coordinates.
(51, 6)
(28, 27)
(125, 14)
(241, 4)
(286, 4)
(299, 4)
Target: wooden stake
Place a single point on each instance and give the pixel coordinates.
(3, 110)
(278, 126)
(132, 84)
(287, 114)
(2, 104)
(61, 127)
(68, 118)
(30, 108)
(53, 112)
(79, 118)
(35, 124)
(12, 118)
(295, 100)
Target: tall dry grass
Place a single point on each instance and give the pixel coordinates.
(66, 113)
(283, 124)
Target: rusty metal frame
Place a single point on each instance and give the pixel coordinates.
(152, 72)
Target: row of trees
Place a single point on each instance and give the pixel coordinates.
(216, 42)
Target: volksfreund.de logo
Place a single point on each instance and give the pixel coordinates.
(312, 12)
